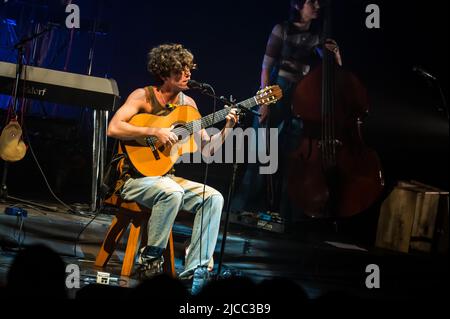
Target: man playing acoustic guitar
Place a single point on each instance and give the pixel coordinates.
(167, 194)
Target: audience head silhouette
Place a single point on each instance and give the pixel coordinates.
(37, 271)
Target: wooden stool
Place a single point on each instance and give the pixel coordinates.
(135, 215)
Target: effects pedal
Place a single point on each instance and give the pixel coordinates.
(16, 211)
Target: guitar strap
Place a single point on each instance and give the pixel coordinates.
(125, 167)
(181, 98)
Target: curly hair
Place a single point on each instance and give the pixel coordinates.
(167, 58)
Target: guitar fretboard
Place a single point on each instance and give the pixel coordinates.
(207, 121)
(216, 117)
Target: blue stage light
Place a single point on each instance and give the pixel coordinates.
(10, 22)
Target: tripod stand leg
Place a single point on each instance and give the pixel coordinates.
(227, 215)
(23, 201)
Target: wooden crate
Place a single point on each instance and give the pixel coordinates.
(414, 217)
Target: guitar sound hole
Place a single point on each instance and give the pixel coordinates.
(184, 131)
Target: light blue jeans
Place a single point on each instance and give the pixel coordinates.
(166, 196)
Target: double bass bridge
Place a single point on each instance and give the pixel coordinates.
(324, 144)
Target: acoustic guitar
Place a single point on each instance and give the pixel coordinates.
(152, 158)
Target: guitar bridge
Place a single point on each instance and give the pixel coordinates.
(149, 142)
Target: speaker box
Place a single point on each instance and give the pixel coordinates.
(414, 217)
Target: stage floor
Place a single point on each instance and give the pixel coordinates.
(318, 261)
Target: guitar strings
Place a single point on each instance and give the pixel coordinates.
(209, 119)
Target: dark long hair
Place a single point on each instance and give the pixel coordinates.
(294, 16)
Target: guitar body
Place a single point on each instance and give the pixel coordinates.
(144, 159)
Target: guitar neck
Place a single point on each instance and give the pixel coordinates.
(216, 117)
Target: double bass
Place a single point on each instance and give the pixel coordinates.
(332, 173)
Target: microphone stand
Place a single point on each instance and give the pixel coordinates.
(19, 67)
(204, 90)
(227, 216)
(444, 107)
(433, 80)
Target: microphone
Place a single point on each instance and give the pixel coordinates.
(192, 84)
(423, 73)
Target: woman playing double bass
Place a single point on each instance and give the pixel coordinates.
(293, 49)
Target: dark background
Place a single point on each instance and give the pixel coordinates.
(228, 39)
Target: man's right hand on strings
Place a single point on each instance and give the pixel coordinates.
(166, 136)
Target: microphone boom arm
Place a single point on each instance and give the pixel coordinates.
(205, 89)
